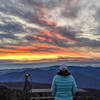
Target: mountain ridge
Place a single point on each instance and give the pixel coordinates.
(86, 77)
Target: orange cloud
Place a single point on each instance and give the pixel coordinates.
(44, 17)
(59, 36)
(20, 47)
(39, 37)
(48, 46)
(46, 32)
(12, 51)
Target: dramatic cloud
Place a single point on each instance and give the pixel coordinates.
(49, 30)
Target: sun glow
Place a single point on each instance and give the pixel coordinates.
(40, 55)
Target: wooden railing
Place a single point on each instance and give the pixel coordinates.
(42, 94)
(45, 94)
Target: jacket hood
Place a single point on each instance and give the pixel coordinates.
(63, 73)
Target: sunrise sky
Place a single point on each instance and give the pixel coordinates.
(48, 31)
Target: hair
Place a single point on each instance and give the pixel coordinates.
(63, 73)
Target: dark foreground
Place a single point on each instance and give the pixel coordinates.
(14, 94)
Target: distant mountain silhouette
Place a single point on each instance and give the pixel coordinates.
(86, 77)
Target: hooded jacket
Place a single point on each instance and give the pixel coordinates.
(63, 86)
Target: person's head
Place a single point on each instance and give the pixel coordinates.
(63, 70)
(63, 67)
